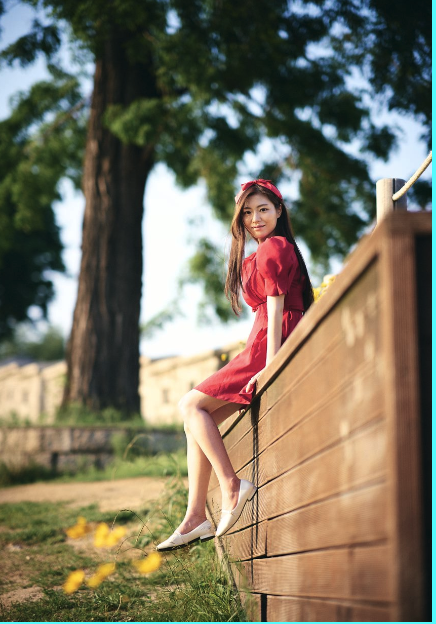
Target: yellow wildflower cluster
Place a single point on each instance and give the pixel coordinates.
(80, 529)
(149, 564)
(104, 538)
(76, 578)
(320, 290)
(74, 581)
(103, 571)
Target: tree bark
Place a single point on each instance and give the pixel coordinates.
(103, 350)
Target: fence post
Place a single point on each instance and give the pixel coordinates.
(385, 188)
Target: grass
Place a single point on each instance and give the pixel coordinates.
(76, 415)
(160, 465)
(191, 585)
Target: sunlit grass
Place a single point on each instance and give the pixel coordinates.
(188, 585)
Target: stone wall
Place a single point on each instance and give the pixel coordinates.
(69, 448)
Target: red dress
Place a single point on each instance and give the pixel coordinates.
(271, 270)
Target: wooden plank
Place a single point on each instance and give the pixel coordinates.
(350, 396)
(307, 360)
(330, 573)
(372, 575)
(357, 461)
(287, 609)
(399, 327)
(246, 544)
(350, 518)
(325, 573)
(339, 417)
(354, 401)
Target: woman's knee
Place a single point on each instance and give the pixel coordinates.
(187, 407)
(183, 404)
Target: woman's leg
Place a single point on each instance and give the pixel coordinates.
(197, 408)
(199, 471)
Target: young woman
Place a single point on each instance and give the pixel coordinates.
(275, 283)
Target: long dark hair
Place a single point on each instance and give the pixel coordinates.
(283, 228)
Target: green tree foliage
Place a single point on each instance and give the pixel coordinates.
(391, 44)
(40, 143)
(226, 76)
(47, 346)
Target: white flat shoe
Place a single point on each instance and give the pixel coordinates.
(203, 532)
(228, 518)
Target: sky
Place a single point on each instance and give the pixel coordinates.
(187, 217)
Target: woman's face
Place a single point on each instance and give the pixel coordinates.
(259, 216)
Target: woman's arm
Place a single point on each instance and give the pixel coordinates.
(274, 306)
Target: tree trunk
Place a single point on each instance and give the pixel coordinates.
(103, 351)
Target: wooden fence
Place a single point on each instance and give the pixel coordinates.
(338, 442)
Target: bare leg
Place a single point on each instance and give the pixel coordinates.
(196, 409)
(199, 471)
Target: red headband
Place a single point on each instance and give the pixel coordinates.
(265, 183)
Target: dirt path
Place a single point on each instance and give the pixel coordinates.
(110, 495)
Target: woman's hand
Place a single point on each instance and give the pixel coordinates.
(253, 381)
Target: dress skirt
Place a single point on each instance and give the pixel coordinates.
(229, 383)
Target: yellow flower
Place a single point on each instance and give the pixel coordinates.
(104, 538)
(80, 529)
(318, 292)
(150, 564)
(100, 535)
(74, 581)
(103, 571)
(115, 536)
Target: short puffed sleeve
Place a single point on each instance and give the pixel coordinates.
(277, 263)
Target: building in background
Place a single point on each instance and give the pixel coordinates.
(32, 392)
(163, 382)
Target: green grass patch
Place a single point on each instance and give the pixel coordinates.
(160, 465)
(191, 585)
(38, 523)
